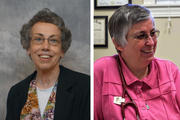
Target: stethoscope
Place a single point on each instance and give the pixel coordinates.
(125, 92)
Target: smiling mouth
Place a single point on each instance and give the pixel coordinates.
(45, 56)
(148, 52)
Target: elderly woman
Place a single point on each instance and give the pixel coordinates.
(134, 84)
(52, 92)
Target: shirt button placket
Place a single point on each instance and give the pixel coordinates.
(142, 107)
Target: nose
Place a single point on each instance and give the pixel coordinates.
(150, 41)
(45, 45)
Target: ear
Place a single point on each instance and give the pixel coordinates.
(28, 51)
(117, 46)
(62, 54)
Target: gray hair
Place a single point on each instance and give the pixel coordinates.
(123, 19)
(46, 15)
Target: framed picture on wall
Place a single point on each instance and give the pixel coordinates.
(100, 31)
(110, 4)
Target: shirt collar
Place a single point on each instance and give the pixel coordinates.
(130, 78)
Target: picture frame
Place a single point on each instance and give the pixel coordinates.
(110, 4)
(100, 31)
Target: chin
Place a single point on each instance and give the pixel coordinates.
(149, 60)
(45, 67)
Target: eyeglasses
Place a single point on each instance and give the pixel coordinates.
(40, 40)
(144, 36)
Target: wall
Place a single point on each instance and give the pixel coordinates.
(168, 43)
(15, 65)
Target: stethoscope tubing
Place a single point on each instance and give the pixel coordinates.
(131, 103)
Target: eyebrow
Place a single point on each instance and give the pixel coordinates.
(43, 35)
(140, 32)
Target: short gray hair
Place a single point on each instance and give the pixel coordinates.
(123, 19)
(47, 16)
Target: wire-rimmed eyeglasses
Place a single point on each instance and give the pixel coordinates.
(145, 36)
(52, 40)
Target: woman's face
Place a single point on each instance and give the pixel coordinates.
(138, 50)
(45, 46)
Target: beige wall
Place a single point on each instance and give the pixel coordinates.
(168, 43)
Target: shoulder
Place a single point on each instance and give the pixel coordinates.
(104, 62)
(17, 95)
(81, 80)
(166, 67)
(74, 74)
(21, 86)
(164, 63)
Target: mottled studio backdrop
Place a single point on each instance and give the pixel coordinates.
(14, 62)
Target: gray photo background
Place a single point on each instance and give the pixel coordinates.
(15, 65)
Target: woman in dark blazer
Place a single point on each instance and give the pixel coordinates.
(52, 92)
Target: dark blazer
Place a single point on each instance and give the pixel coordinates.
(72, 98)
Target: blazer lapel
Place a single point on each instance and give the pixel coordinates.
(64, 96)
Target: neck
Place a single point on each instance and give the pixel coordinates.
(138, 70)
(46, 79)
(139, 73)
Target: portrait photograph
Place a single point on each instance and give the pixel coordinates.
(16, 58)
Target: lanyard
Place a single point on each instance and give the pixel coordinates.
(125, 92)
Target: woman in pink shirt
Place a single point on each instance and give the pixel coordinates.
(134, 84)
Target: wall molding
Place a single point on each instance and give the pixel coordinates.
(159, 11)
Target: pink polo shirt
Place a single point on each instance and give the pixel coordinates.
(160, 91)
